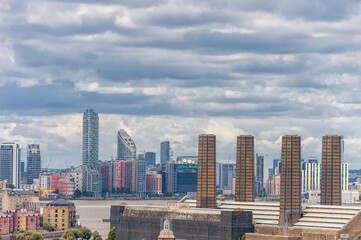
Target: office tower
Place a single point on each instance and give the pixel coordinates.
(90, 137)
(290, 198)
(225, 172)
(141, 181)
(179, 177)
(259, 176)
(344, 176)
(276, 164)
(331, 170)
(22, 167)
(311, 177)
(126, 147)
(10, 163)
(34, 163)
(164, 152)
(90, 150)
(245, 169)
(150, 158)
(206, 179)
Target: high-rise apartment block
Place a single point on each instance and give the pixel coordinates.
(344, 176)
(126, 147)
(259, 175)
(10, 163)
(206, 179)
(164, 152)
(245, 169)
(331, 170)
(290, 198)
(34, 163)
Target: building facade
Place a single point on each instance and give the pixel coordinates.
(154, 183)
(290, 198)
(150, 158)
(331, 170)
(206, 179)
(61, 214)
(13, 199)
(10, 163)
(126, 149)
(245, 169)
(33, 163)
(259, 175)
(12, 220)
(225, 173)
(164, 152)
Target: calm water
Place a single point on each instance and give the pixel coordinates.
(92, 212)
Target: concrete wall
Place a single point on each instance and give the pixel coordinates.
(232, 225)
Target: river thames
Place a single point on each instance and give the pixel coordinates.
(91, 212)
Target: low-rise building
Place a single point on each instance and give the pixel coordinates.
(11, 199)
(12, 220)
(61, 214)
(154, 183)
(66, 187)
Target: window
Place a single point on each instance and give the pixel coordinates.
(63, 220)
(63, 224)
(48, 215)
(56, 220)
(56, 224)
(48, 220)
(56, 211)
(63, 215)
(56, 215)
(63, 211)
(49, 211)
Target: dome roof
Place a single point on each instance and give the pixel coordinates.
(166, 232)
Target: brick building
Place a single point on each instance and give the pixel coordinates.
(66, 187)
(154, 183)
(60, 214)
(12, 199)
(12, 220)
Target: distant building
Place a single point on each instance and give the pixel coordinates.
(22, 167)
(259, 176)
(61, 214)
(141, 181)
(126, 150)
(311, 177)
(290, 198)
(179, 177)
(94, 182)
(344, 176)
(225, 173)
(187, 159)
(90, 148)
(10, 163)
(166, 233)
(34, 163)
(331, 170)
(13, 199)
(154, 183)
(66, 187)
(150, 158)
(12, 221)
(206, 179)
(125, 175)
(164, 152)
(245, 169)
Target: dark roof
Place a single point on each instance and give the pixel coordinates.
(60, 203)
(18, 192)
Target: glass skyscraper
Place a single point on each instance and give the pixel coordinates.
(34, 163)
(10, 163)
(164, 152)
(90, 137)
(150, 158)
(126, 147)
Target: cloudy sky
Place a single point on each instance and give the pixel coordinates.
(172, 69)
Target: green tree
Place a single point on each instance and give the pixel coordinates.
(68, 234)
(41, 220)
(30, 234)
(37, 236)
(112, 235)
(77, 193)
(84, 233)
(96, 236)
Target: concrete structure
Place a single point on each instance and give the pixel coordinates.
(33, 163)
(154, 183)
(61, 214)
(13, 199)
(126, 149)
(164, 152)
(10, 163)
(331, 170)
(143, 222)
(206, 179)
(150, 158)
(245, 169)
(290, 198)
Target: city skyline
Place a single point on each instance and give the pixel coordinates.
(175, 69)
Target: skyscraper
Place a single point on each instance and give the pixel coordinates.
(126, 147)
(206, 179)
(90, 153)
(259, 183)
(34, 163)
(331, 170)
(245, 169)
(150, 158)
(225, 174)
(290, 198)
(164, 152)
(10, 163)
(90, 137)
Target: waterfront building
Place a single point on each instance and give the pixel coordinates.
(150, 158)
(11, 199)
(45, 180)
(61, 214)
(90, 148)
(206, 179)
(331, 170)
(245, 169)
(126, 150)
(154, 183)
(290, 198)
(179, 177)
(33, 163)
(259, 176)
(10, 163)
(141, 181)
(93, 179)
(125, 175)
(66, 187)
(164, 152)
(13, 220)
(225, 173)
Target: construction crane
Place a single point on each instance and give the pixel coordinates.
(47, 167)
(42, 192)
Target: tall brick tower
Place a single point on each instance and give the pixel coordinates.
(331, 170)
(245, 169)
(290, 199)
(206, 179)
